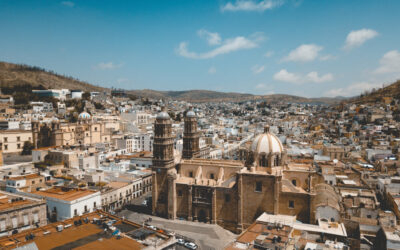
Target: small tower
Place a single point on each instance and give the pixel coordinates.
(191, 147)
(163, 166)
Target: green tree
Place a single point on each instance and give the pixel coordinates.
(27, 148)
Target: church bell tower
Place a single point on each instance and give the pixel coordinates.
(191, 148)
(164, 172)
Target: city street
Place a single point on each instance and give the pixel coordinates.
(206, 236)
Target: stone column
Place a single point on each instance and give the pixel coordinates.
(190, 202)
(239, 228)
(214, 207)
(171, 196)
(277, 193)
(154, 192)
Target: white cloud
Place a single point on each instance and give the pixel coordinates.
(284, 76)
(353, 89)
(326, 57)
(358, 37)
(68, 3)
(313, 77)
(389, 63)
(107, 66)
(251, 5)
(212, 38)
(257, 69)
(304, 53)
(227, 46)
(212, 70)
(268, 53)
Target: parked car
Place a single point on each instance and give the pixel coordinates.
(180, 241)
(190, 245)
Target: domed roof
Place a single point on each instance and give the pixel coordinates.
(84, 115)
(190, 113)
(163, 114)
(266, 143)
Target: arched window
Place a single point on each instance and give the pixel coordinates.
(276, 163)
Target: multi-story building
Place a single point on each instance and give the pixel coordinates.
(25, 183)
(117, 194)
(19, 212)
(12, 141)
(64, 203)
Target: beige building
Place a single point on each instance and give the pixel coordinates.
(117, 194)
(85, 132)
(18, 213)
(12, 141)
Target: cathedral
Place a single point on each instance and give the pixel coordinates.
(86, 131)
(231, 193)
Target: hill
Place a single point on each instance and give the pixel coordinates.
(12, 75)
(19, 74)
(215, 96)
(377, 95)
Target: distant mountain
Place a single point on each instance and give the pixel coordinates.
(193, 95)
(377, 95)
(19, 74)
(215, 96)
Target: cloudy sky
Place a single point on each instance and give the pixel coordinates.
(301, 47)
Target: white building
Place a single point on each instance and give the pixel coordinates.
(64, 203)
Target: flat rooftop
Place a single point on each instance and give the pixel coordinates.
(86, 232)
(10, 201)
(65, 194)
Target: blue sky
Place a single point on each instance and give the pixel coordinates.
(308, 48)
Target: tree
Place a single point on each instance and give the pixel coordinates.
(86, 95)
(27, 148)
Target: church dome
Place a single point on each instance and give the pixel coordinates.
(163, 114)
(84, 115)
(266, 143)
(190, 113)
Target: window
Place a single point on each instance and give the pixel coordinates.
(75, 212)
(18, 146)
(294, 182)
(258, 186)
(191, 174)
(5, 147)
(94, 204)
(179, 192)
(5, 139)
(212, 176)
(86, 209)
(291, 204)
(227, 198)
(18, 138)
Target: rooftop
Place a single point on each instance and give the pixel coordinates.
(10, 201)
(97, 230)
(65, 194)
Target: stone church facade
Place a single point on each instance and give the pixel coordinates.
(229, 193)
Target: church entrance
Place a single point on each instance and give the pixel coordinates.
(202, 217)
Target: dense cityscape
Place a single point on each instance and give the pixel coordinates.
(209, 125)
(172, 174)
